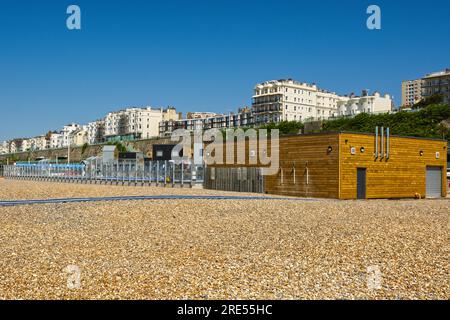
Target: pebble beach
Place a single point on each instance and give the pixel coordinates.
(217, 249)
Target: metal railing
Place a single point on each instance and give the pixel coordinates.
(244, 179)
(158, 173)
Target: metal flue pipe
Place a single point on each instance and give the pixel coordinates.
(376, 142)
(388, 143)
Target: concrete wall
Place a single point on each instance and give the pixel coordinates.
(76, 154)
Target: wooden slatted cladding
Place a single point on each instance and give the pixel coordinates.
(403, 175)
(326, 165)
(307, 167)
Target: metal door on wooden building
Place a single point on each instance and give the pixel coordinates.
(361, 183)
(434, 182)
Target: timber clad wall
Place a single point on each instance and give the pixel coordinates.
(307, 169)
(402, 176)
(323, 166)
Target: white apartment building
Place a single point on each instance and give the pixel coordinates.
(373, 104)
(96, 131)
(4, 147)
(17, 145)
(136, 123)
(25, 146)
(289, 100)
(56, 140)
(67, 133)
(437, 83)
(37, 143)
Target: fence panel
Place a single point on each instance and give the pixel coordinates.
(234, 179)
(160, 173)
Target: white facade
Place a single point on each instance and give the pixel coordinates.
(67, 133)
(13, 147)
(437, 83)
(56, 140)
(96, 131)
(18, 145)
(25, 146)
(37, 143)
(137, 123)
(353, 105)
(4, 147)
(289, 100)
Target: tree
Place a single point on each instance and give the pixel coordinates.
(427, 123)
(119, 146)
(436, 98)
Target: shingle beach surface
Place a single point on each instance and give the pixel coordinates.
(213, 249)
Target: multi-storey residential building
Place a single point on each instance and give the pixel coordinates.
(4, 147)
(26, 145)
(289, 100)
(79, 137)
(411, 92)
(354, 105)
(243, 118)
(67, 133)
(136, 123)
(37, 143)
(437, 83)
(55, 140)
(17, 145)
(96, 131)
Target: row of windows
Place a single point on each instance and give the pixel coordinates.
(299, 108)
(279, 89)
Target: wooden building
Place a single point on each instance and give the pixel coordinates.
(348, 166)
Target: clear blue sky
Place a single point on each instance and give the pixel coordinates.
(201, 55)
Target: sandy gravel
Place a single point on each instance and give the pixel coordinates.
(200, 249)
(15, 189)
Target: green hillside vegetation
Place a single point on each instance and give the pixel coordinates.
(432, 121)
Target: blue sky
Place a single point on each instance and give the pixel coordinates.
(201, 55)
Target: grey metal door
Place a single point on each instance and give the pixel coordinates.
(434, 182)
(361, 183)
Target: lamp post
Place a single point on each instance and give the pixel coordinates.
(68, 152)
